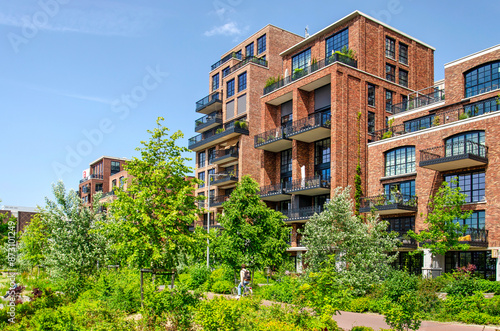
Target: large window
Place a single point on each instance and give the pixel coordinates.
(115, 167)
(390, 48)
(400, 161)
(225, 71)
(211, 155)
(475, 221)
(371, 95)
(401, 224)
(470, 142)
(402, 191)
(482, 79)
(472, 184)
(337, 42)
(301, 60)
(230, 88)
(388, 100)
(403, 53)
(482, 107)
(201, 159)
(390, 72)
(322, 155)
(242, 82)
(201, 176)
(249, 51)
(371, 122)
(215, 82)
(286, 166)
(261, 44)
(419, 123)
(403, 77)
(485, 264)
(98, 187)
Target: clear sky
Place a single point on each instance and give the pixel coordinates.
(65, 66)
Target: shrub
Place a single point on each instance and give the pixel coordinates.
(406, 314)
(399, 283)
(222, 286)
(186, 280)
(362, 328)
(488, 286)
(120, 289)
(199, 275)
(284, 291)
(463, 286)
(220, 314)
(359, 305)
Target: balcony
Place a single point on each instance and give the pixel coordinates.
(208, 122)
(405, 240)
(218, 200)
(452, 156)
(227, 156)
(475, 237)
(316, 126)
(226, 58)
(420, 100)
(313, 67)
(273, 140)
(301, 215)
(309, 186)
(214, 137)
(210, 103)
(91, 177)
(274, 192)
(249, 59)
(225, 178)
(387, 204)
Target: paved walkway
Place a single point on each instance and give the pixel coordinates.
(346, 320)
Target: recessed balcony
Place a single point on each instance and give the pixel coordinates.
(301, 215)
(225, 178)
(452, 156)
(475, 237)
(312, 128)
(208, 122)
(274, 192)
(309, 186)
(388, 204)
(227, 156)
(216, 136)
(273, 140)
(210, 103)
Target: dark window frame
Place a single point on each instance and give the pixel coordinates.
(201, 176)
(301, 60)
(248, 48)
(242, 81)
(115, 167)
(403, 77)
(485, 76)
(390, 47)
(390, 72)
(261, 44)
(215, 82)
(471, 183)
(389, 101)
(371, 98)
(393, 168)
(403, 53)
(371, 122)
(202, 157)
(230, 88)
(336, 42)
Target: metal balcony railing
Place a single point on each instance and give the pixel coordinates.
(226, 58)
(312, 121)
(91, 177)
(218, 200)
(215, 133)
(454, 149)
(214, 117)
(417, 101)
(303, 213)
(307, 183)
(245, 61)
(225, 152)
(313, 67)
(269, 136)
(214, 97)
(385, 200)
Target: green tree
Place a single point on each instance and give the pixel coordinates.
(151, 217)
(443, 231)
(406, 314)
(253, 233)
(33, 242)
(361, 247)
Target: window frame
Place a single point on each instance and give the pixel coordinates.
(250, 46)
(115, 165)
(261, 44)
(390, 47)
(332, 41)
(476, 180)
(402, 80)
(389, 104)
(242, 80)
(202, 157)
(371, 94)
(390, 74)
(476, 86)
(215, 83)
(409, 163)
(230, 91)
(201, 176)
(370, 122)
(403, 58)
(301, 63)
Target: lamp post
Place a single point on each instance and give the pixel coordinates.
(210, 176)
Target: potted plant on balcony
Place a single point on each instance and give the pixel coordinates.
(260, 140)
(237, 124)
(219, 130)
(435, 122)
(328, 122)
(297, 73)
(244, 125)
(199, 122)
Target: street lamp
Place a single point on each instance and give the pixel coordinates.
(210, 176)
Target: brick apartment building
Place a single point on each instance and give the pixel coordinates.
(304, 134)
(97, 178)
(23, 215)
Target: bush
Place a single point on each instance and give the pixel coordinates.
(362, 328)
(199, 275)
(405, 315)
(488, 286)
(399, 283)
(220, 314)
(284, 291)
(185, 280)
(120, 289)
(222, 286)
(360, 305)
(463, 286)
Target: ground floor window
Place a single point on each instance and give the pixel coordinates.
(409, 263)
(485, 265)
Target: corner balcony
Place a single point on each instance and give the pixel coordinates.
(273, 140)
(452, 156)
(274, 192)
(314, 127)
(226, 58)
(387, 204)
(475, 237)
(91, 177)
(216, 136)
(218, 200)
(313, 67)
(210, 103)
(301, 215)
(225, 178)
(309, 186)
(227, 156)
(248, 59)
(208, 122)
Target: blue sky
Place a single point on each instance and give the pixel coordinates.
(65, 66)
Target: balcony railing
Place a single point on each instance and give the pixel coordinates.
(456, 155)
(275, 192)
(311, 128)
(208, 120)
(405, 239)
(449, 116)
(313, 67)
(208, 100)
(248, 59)
(273, 140)
(226, 58)
(218, 200)
(225, 155)
(309, 186)
(224, 177)
(475, 237)
(214, 135)
(107, 194)
(301, 214)
(418, 101)
(91, 177)
(389, 203)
